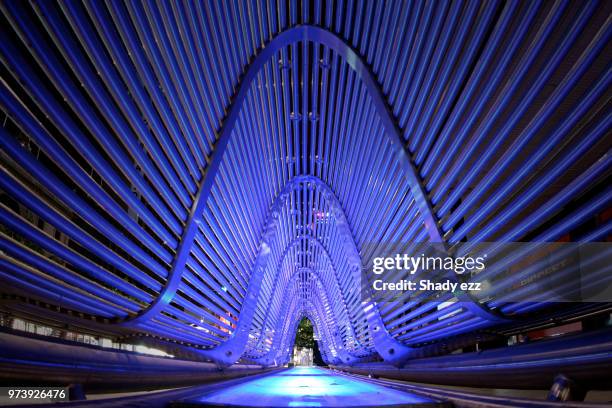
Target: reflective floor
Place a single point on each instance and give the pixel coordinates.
(309, 387)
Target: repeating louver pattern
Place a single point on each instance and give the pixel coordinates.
(211, 172)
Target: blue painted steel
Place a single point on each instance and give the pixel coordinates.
(177, 170)
(291, 36)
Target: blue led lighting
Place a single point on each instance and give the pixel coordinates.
(209, 175)
(309, 387)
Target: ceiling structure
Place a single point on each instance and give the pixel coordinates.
(209, 173)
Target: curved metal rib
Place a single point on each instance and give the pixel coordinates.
(290, 36)
(276, 351)
(314, 241)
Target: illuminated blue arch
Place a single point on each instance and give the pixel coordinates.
(292, 310)
(315, 242)
(388, 348)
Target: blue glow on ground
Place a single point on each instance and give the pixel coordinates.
(308, 387)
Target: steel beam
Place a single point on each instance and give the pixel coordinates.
(291, 36)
